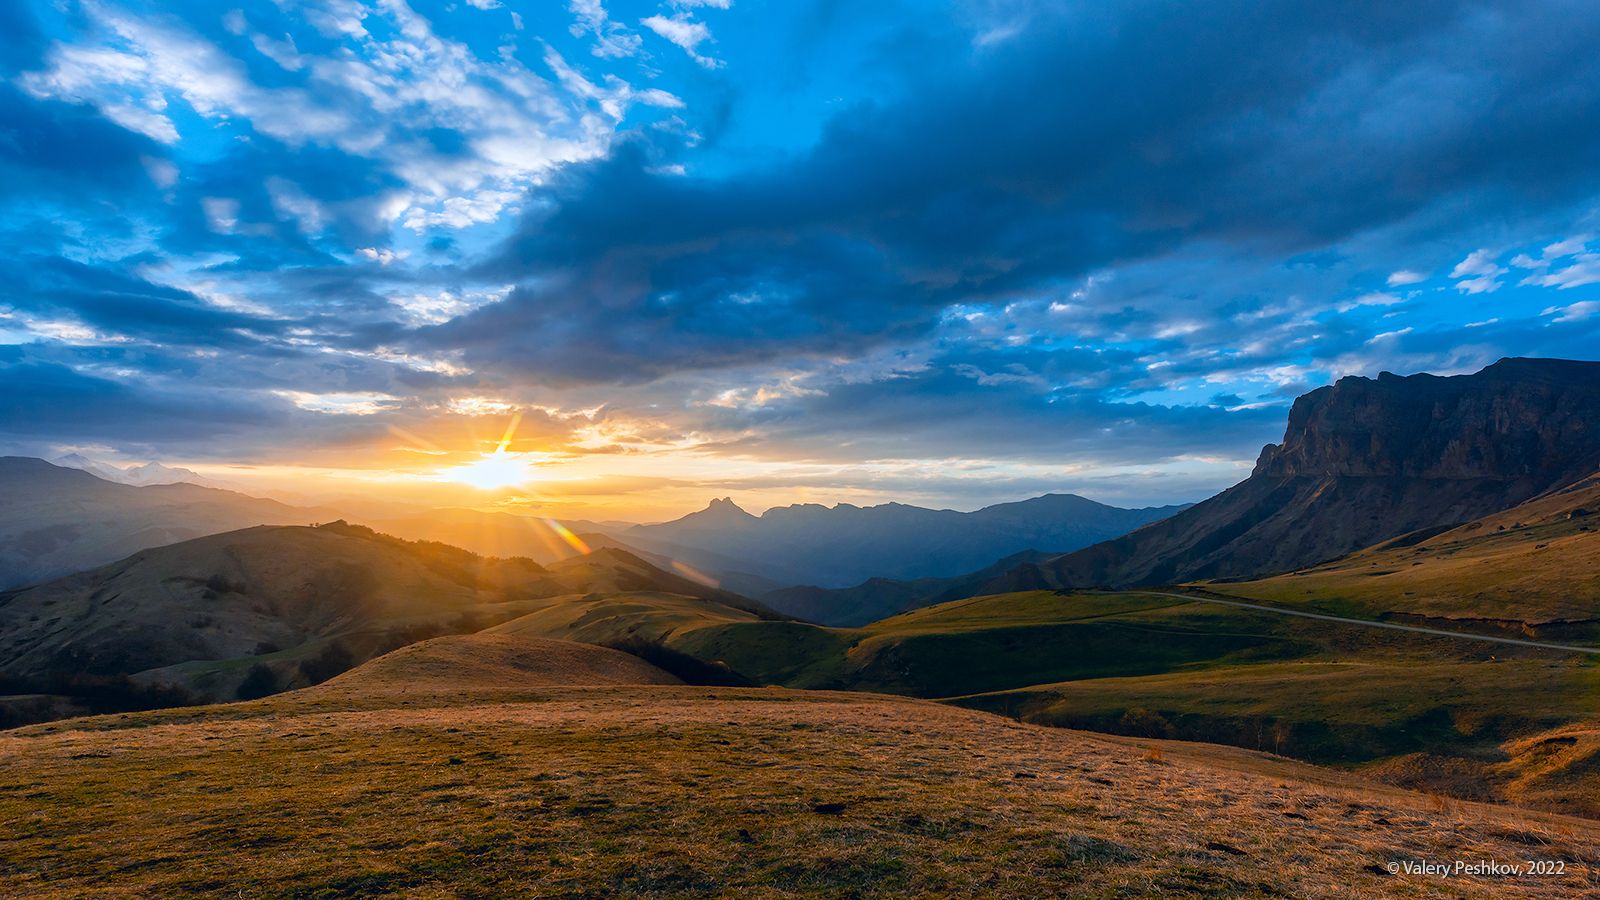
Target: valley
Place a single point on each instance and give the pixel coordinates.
(479, 787)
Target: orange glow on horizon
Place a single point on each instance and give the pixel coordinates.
(500, 469)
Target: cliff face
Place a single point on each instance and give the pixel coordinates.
(1519, 418)
(1365, 460)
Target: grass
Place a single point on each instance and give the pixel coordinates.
(1535, 578)
(1326, 711)
(681, 791)
(1136, 664)
(992, 643)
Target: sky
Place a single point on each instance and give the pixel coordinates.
(614, 258)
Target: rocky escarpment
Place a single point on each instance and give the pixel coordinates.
(1365, 460)
(1536, 419)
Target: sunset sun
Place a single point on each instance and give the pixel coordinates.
(499, 469)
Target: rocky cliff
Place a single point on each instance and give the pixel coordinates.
(1364, 460)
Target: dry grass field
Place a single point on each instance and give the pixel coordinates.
(493, 788)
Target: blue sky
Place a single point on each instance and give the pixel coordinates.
(949, 252)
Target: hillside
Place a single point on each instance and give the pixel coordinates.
(880, 598)
(1144, 664)
(55, 520)
(1533, 569)
(273, 607)
(843, 545)
(694, 791)
(1365, 460)
(487, 663)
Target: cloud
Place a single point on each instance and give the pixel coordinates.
(354, 215)
(611, 38)
(1576, 312)
(1547, 271)
(1479, 273)
(972, 192)
(683, 30)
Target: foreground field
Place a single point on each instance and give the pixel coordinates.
(676, 790)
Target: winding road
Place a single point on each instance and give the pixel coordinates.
(1418, 629)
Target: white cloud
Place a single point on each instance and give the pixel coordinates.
(682, 30)
(1376, 298)
(434, 309)
(1544, 272)
(342, 404)
(163, 172)
(283, 52)
(222, 213)
(384, 256)
(1479, 272)
(1405, 276)
(367, 96)
(612, 39)
(1576, 312)
(290, 202)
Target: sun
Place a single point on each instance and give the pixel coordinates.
(499, 469)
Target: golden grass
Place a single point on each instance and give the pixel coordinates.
(684, 791)
(1529, 567)
(493, 662)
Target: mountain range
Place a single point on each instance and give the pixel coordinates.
(811, 544)
(137, 475)
(59, 520)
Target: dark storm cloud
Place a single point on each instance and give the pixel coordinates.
(42, 398)
(112, 301)
(1095, 138)
(63, 149)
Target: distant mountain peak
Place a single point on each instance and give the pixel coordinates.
(150, 473)
(720, 510)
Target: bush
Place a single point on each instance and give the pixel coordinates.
(334, 659)
(258, 682)
(222, 584)
(1145, 723)
(691, 669)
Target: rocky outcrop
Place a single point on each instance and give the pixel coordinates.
(1518, 419)
(1365, 460)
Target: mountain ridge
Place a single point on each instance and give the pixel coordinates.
(843, 545)
(1363, 460)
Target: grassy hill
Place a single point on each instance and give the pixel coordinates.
(487, 663)
(353, 789)
(1530, 570)
(1167, 667)
(251, 612)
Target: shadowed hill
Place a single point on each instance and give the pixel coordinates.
(56, 520)
(1365, 460)
(254, 611)
(878, 598)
